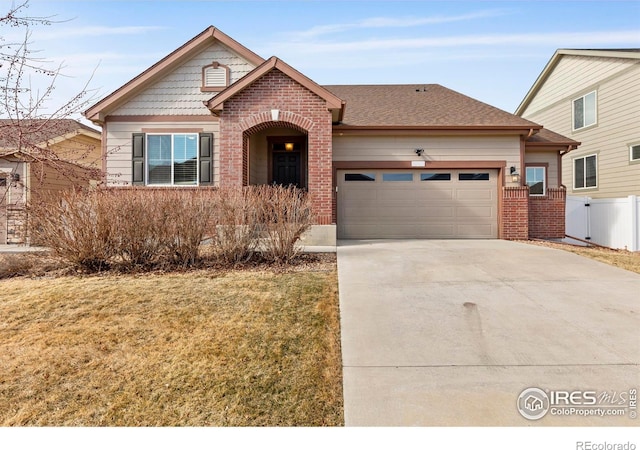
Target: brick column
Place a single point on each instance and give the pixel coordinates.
(515, 213)
(547, 215)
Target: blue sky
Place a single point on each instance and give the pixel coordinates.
(490, 50)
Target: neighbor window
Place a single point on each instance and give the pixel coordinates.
(585, 172)
(584, 111)
(536, 180)
(634, 152)
(172, 159)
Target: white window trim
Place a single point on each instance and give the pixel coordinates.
(544, 179)
(172, 184)
(573, 169)
(631, 153)
(595, 112)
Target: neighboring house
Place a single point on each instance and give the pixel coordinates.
(380, 161)
(593, 96)
(40, 156)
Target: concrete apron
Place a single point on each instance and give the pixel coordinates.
(448, 333)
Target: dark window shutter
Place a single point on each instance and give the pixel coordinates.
(137, 158)
(206, 159)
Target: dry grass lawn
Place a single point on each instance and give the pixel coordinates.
(619, 258)
(240, 348)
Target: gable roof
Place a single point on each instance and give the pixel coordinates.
(334, 103)
(96, 112)
(420, 106)
(42, 132)
(626, 53)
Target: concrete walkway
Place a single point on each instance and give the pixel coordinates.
(439, 333)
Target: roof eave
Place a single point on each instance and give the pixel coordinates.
(334, 103)
(96, 113)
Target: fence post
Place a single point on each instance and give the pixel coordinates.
(635, 228)
(587, 204)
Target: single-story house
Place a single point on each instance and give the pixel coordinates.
(40, 156)
(380, 161)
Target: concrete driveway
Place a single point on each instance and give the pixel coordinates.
(438, 333)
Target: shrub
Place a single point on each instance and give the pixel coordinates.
(142, 228)
(235, 230)
(286, 214)
(75, 226)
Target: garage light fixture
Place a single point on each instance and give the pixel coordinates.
(419, 151)
(515, 176)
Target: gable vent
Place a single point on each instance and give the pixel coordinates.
(215, 77)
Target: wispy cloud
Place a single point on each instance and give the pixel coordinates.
(94, 31)
(558, 39)
(390, 22)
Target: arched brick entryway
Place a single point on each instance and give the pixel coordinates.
(275, 100)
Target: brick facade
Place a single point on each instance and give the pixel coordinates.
(249, 111)
(546, 215)
(527, 217)
(515, 213)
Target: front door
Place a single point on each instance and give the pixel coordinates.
(286, 168)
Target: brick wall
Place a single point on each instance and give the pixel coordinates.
(250, 111)
(515, 213)
(546, 215)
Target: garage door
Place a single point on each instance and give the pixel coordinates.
(438, 204)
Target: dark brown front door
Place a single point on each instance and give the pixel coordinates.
(286, 168)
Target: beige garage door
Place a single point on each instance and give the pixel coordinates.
(437, 204)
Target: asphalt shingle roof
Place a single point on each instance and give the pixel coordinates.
(419, 105)
(38, 130)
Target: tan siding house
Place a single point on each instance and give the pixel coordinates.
(74, 160)
(379, 161)
(612, 80)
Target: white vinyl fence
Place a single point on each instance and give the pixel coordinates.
(613, 222)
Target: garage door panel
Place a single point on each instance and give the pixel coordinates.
(417, 209)
(486, 212)
(483, 193)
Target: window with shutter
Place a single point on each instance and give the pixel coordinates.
(172, 159)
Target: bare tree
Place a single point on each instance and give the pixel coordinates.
(30, 113)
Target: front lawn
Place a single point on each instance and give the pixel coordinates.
(204, 348)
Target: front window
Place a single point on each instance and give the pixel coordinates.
(585, 172)
(535, 178)
(584, 111)
(172, 159)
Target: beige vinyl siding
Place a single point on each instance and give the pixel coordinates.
(118, 147)
(80, 150)
(178, 93)
(573, 76)
(550, 158)
(436, 148)
(618, 119)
